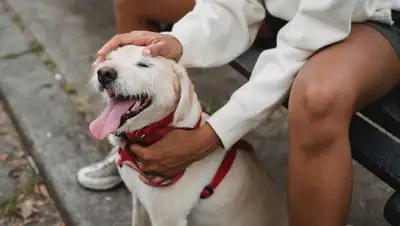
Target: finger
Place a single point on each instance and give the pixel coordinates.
(140, 38)
(146, 52)
(141, 152)
(115, 42)
(151, 181)
(156, 171)
(153, 170)
(157, 49)
(97, 61)
(140, 162)
(158, 179)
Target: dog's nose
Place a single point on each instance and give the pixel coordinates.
(106, 75)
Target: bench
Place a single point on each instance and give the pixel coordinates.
(374, 132)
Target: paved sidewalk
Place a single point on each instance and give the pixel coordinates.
(45, 57)
(24, 199)
(47, 112)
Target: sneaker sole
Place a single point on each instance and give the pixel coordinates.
(99, 187)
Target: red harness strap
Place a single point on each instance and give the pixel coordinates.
(151, 133)
(224, 168)
(127, 158)
(154, 132)
(145, 137)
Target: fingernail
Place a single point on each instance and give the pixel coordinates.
(158, 179)
(146, 52)
(95, 63)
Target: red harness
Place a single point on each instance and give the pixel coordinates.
(154, 132)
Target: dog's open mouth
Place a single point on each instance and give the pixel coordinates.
(118, 110)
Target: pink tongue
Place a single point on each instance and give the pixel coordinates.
(110, 118)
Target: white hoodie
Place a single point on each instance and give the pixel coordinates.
(218, 31)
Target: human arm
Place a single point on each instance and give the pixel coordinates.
(315, 25)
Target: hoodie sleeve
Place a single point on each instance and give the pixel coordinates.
(215, 32)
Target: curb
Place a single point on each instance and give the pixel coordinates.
(58, 140)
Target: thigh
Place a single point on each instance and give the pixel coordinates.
(167, 11)
(353, 73)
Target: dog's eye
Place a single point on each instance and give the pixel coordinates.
(141, 64)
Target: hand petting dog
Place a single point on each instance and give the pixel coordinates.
(156, 44)
(176, 151)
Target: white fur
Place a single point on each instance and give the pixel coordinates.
(247, 195)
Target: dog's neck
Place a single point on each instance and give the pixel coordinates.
(189, 117)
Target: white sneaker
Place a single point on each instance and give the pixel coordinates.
(102, 175)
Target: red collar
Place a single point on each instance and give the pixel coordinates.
(154, 132)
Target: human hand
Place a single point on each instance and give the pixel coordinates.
(156, 44)
(176, 151)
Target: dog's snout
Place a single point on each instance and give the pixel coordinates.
(105, 75)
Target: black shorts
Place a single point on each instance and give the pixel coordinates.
(391, 32)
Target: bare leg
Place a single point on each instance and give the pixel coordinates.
(329, 88)
(141, 14)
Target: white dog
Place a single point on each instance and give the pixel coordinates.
(146, 94)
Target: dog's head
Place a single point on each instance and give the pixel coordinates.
(140, 90)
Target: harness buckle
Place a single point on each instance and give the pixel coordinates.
(207, 192)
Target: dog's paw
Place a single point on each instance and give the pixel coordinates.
(114, 140)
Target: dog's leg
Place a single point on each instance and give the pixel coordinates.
(170, 222)
(139, 214)
(167, 213)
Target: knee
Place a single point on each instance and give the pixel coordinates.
(319, 100)
(319, 113)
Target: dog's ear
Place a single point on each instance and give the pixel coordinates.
(186, 92)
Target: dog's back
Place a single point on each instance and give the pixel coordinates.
(246, 196)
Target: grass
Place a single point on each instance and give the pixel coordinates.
(69, 89)
(11, 56)
(36, 47)
(16, 18)
(25, 189)
(50, 64)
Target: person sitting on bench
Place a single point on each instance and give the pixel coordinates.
(333, 57)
